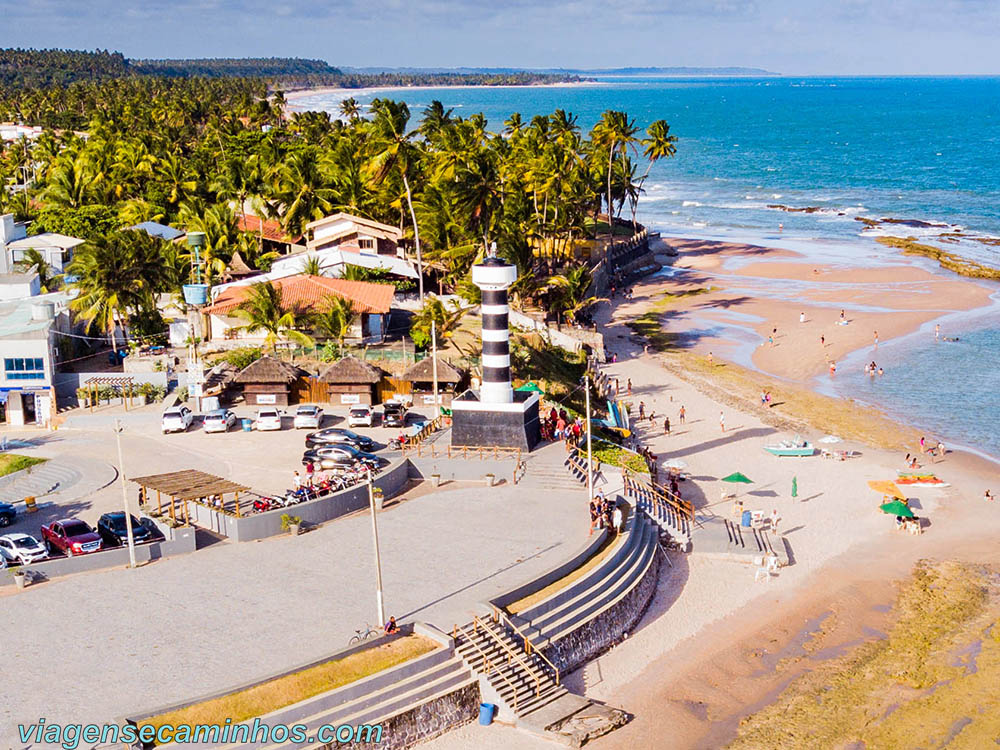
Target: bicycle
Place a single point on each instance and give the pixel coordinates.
(363, 635)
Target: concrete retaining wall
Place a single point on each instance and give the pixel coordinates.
(463, 470)
(264, 525)
(180, 542)
(609, 627)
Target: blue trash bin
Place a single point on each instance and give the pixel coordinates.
(486, 711)
(745, 520)
(247, 425)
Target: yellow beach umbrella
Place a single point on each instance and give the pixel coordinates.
(888, 489)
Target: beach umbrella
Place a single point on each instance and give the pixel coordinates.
(830, 439)
(676, 463)
(887, 489)
(530, 387)
(737, 477)
(795, 487)
(897, 508)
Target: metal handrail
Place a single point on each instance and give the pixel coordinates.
(529, 647)
(482, 451)
(511, 653)
(487, 663)
(661, 495)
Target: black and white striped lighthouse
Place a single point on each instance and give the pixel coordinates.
(494, 277)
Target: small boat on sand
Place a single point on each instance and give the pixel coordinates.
(794, 447)
(923, 480)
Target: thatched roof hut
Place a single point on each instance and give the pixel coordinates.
(423, 372)
(352, 381)
(268, 369)
(350, 370)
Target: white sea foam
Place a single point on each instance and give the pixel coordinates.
(694, 204)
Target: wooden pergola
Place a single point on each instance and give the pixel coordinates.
(190, 485)
(124, 383)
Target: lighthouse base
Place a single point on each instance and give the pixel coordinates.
(513, 425)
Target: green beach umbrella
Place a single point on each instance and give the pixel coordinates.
(530, 387)
(795, 487)
(897, 508)
(738, 477)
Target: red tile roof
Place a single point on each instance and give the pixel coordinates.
(310, 293)
(271, 229)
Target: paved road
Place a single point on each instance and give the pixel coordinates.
(120, 640)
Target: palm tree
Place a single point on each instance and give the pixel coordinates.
(395, 151)
(72, 182)
(32, 259)
(616, 133)
(447, 320)
(311, 266)
(658, 144)
(349, 109)
(335, 319)
(304, 190)
(571, 291)
(264, 310)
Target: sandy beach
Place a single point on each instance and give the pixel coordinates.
(715, 645)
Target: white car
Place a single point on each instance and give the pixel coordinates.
(307, 415)
(220, 420)
(360, 416)
(22, 548)
(176, 419)
(268, 419)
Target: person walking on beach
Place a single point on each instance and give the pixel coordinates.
(923, 444)
(710, 358)
(770, 341)
(774, 519)
(616, 520)
(802, 317)
(833, 368)
(666, 425)
(652, 418)
(988, 496)
(642, 410)
(681, 414)
(628, 387)
(876, 339)
(843, 318)
(822, 340)
(940, 449)
(722, 420)
(937, 331)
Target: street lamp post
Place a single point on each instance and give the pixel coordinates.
(590, 452)
(372, 489)
(121, 474)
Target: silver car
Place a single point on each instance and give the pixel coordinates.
(22, 548)
(220, 420)
(308, 416)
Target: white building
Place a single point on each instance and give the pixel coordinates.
(19, 286)
(57, 249)
(10, 131)
(29, 332)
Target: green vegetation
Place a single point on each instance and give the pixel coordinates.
(911, 689)
(284, 691)
(609, 453)
(11, 462)
(242, 357)
(952, 262)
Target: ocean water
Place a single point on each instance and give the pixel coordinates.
(923, 152)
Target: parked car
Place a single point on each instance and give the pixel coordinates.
(21, 548)
(268, 419)
(176, 419)
(394, 414)
(7, 514)
(70, 536)
(331, 456)
(111, 527)
(308, 416)
(333, 435)
(220, 420)
(360, 416)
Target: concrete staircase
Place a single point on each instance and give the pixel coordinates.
(520, 682)
(547, 469)
(550, 620)
(53, 476)
(666, 515)
(375, 699)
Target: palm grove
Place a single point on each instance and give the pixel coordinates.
(193, 152)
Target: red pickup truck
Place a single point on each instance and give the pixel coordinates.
(70, 536)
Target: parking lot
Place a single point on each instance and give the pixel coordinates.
(83, 457)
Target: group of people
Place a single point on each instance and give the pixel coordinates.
(871, 369)
(605, 514)
(558, 425)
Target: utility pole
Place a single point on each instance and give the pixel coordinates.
(372, 489)
(121, 474)
(590, 451)
(434, 364)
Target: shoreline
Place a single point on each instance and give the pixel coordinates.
(898, 297)
(292, 97)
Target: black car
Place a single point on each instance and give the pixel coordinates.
(111, 527)
(330, 456)
(7, 514)
(394, 414)
(339, 436)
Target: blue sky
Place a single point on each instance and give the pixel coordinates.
(788, 36)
